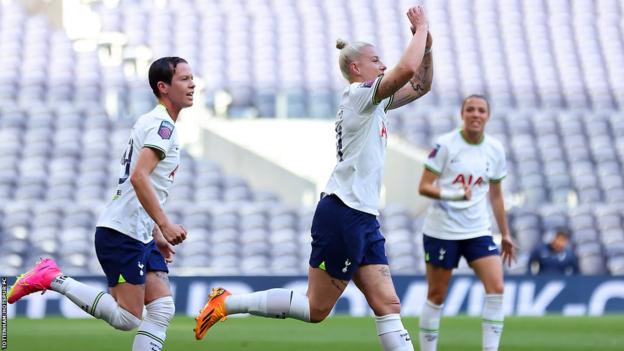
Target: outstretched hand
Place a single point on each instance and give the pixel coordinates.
(509, 249)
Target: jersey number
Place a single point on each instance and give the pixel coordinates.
(125, 162)
(339, 153)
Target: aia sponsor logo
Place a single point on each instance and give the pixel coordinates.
(384, 130)
(468, 181)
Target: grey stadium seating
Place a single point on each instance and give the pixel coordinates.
(552, 77)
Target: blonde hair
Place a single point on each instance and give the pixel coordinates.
(348, 54)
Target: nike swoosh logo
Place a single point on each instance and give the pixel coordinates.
(42, 268)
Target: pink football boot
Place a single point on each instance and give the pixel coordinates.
(37, 279)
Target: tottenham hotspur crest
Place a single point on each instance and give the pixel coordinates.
(442, 252)
(140, 265)
(346, 267)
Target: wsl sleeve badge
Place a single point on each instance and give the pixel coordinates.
(165, 130)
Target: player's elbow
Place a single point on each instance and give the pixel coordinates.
(411, 69)
(137, 178)
(422, 190)
(413, 65)
(406, 70)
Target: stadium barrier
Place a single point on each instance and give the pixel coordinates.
(301, 155)
(524, 295)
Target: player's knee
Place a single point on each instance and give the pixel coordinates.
(317, 318)
(436, 296)
(318, 315)
(160, 311)
(493, 286)
(497, 288)
(384, 305)
(124, 320)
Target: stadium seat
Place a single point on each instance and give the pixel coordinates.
(550, 77)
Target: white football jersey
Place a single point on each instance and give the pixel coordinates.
(362, 136)
(124, 212)
(457, 162)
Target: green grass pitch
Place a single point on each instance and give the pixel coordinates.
(336, 333)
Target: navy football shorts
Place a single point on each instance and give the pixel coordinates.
(344, 239)
(125, 259)
(446, 253)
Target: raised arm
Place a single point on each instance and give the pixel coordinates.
(420, 83)
(410, 61)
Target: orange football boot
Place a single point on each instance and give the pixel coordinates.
(213, 312)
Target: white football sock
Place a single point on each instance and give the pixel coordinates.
(95, 302)
(273, 303)
(493, 317)
(392, 334)
(153, 330)
(429, 326)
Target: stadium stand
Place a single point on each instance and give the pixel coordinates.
(550, 68)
